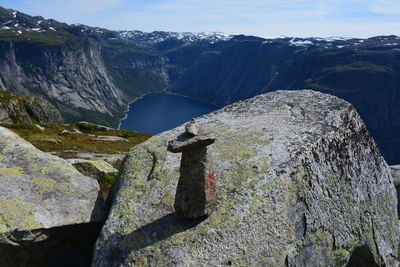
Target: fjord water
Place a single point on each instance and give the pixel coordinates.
(158, 112)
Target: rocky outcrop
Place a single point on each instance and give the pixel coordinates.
(25, 109)
(93, 168)
(100, 170)
(300, 183)
(39, 192)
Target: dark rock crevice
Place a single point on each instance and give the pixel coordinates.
(362, 257)
(64, 246)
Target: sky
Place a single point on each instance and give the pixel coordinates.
(267, 18)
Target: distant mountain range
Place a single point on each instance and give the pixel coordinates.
(91, 73)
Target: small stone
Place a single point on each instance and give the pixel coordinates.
(76, 131)
(185, 142)
(192, 128)
(65, 132)
(39, 127)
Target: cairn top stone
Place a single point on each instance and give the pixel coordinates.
(192, 128)
(195, 135)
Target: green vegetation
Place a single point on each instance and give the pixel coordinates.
(358, 66)
(47, 38)
(6, 96)
(51, 140)
(105, 182)
(92, 116)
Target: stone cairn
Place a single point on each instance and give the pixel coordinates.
(195, 195)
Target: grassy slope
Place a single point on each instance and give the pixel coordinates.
(50, 139)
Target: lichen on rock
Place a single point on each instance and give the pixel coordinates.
(44, 185)
(17, 214)
(301, 182)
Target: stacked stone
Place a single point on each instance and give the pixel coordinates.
(195, 195)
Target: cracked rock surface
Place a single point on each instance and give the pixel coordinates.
(301, 182)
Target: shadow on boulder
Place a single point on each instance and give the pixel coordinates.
(145, 236)
(63, 246)
(362, 257)
(60, 246)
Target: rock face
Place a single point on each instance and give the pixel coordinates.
(78, 73)
(24, 109)
(301, 183)
(39, 190)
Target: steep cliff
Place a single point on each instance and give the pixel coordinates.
(85, 72)
(27, 109)
(299, 182)
(74, 79)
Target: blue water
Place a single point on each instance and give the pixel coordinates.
(158, 112)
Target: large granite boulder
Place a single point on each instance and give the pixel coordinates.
(300, 183)
(39, 190)
(50, 214)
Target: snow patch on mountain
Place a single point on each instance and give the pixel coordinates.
(300, 42)
(160, 36)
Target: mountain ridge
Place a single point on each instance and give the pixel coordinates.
(44, 58)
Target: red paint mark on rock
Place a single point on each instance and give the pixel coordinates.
(209, 180)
